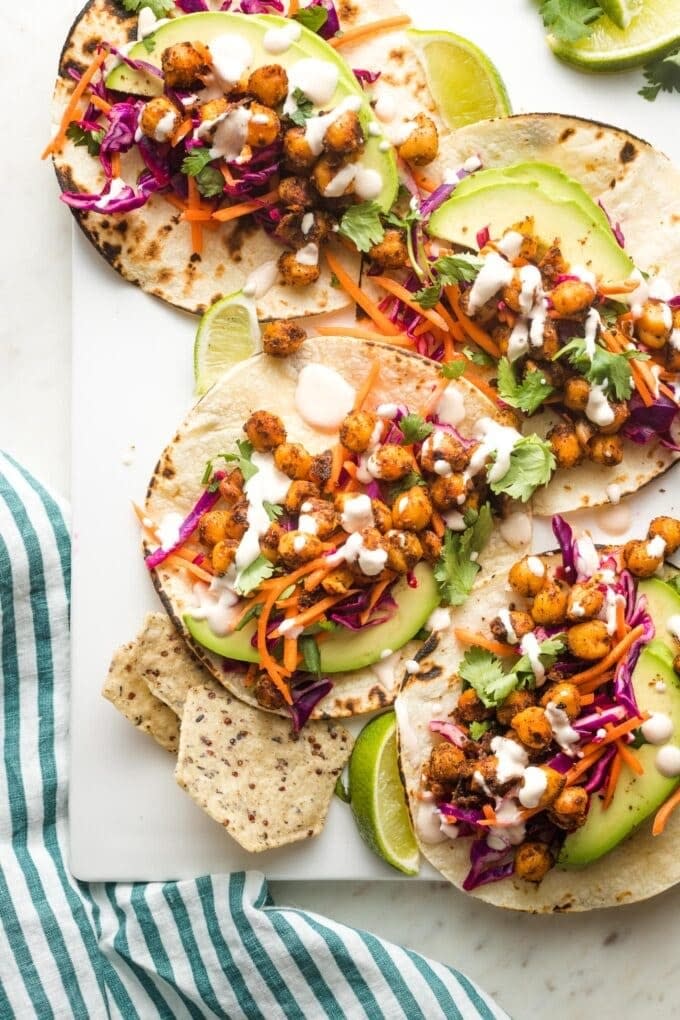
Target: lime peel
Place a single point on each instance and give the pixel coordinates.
(652, 33)
(227, 333)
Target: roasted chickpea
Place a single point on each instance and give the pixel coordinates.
(233, 522)
(371, 567)
(432, 546)
(391, 252)
(338, 582)
(643, 558)
(548, 348)
(212, 527)
(585, 602)
(231, 486)
(390, 462)
(293, 460)
(517, 701)
(182, 66)
(676, 664)
(668, 528)
(269, 543)
(528, 576)
(520, 623)
(266, 693)
(422, 145)
(213, 109)
(296, 150)
(281, 339)
(269, 84)
(223, 555)
(441, 449)
(673, 348)
(589, 640)
(159, 120)
(263, 127)
(470, 708)
(552, 265)
(331, 180)
(295, 273)
(533, 861)
(571, 297)
(412, 510)
(484, 774)
(297, 547)
(297, 194)
(265, 431)
(576, 393)
(654, 325)
(344, 135)
(605, 450)
(447, 763)
(533, 728)
(323, 514)
(320, 471)
(554, 785)
(298, 493)
(549, 607)
(356, 430)
(565, 696)
(621, 416)
(569, 809)
(565, 445)
(404, 550)
(382, 515)
(449, 492)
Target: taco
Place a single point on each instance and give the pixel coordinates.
(312, 513)
(222, 150)
(543, 731)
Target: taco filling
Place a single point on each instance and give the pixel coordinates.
(564, 735)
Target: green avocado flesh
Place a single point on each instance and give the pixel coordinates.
(205, 28)
(559, 211)
(342, 650)
(636, 797)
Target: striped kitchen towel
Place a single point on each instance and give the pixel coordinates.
(213, 947)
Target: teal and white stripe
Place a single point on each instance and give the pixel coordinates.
(214, 947)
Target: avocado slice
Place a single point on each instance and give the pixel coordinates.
(636, 797)
(550, 179)
(342, 650)
(207, 27)
(582, 237)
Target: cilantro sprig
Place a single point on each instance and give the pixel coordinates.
(90, 139)
(362, 225)
(159, 8)
(453, 369)
(570, 20)
(456, 570)
(209, 180)
(414, 428)
(253, 575)
(486, 674)
(532, 463)
(662, 76)
(242, 459)
(605, 369)
(304, 108)
(527, 394)
(447, 270)
(313, 18)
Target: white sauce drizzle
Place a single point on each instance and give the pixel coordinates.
(494, 274)
(668, 761)
(317, 79)
(278, 40)
(534, 785)
(598, 408)
(530, 647)
(451, 406)
(673, 626)
(232, 55)
(563, 732)
(506, 620)
(267, 485)
(357, 513)
(439, 619)
(322, 397)
(516, 529)
(261, 280)
(658, 729)
(512, 759)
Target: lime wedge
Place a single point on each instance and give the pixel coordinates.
(464, 83)
(652, 32)
(621, 12)
(377, 795)
(228, 332)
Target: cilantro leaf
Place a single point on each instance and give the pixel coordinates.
(428, 297)
(311, 17)
(569, 19)
(662, 76)
(273, 510)
(532, 462)
(304, 108)
(311, 658)
(159, 8)
(478, 729)
(241, 459)
(673, 582)
(527, 395)
(483, 671)
(253, 575)
(196, 162)
(404, 484)
(210, 182)
(456, 570)
(447, 270)
(610, 311)
(548, 653)
(405, 222)
(414, 428)
(81, 136)
(361, 224)
(605, 369)
(453, 369)
(479, 357)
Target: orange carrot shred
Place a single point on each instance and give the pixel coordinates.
(181, 131)
(233, 212)
(433, 399)
(617, 652)
(614, 732)
(402, 339)
(626, 755)
(374, 598)
(367, 385)
(664, 813)
(362, 32)
(80, 89)
(575, 773)
(612, 781)
(192, 568)
(475, 332)
(471, 637)
(404, 295)
(359, 297)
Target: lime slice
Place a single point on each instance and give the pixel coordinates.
(464, 83)
(228, 332)
(621, 12)
(377, 795)
(653, 32)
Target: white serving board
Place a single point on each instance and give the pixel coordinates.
(132, 385)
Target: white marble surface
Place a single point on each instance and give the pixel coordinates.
(608, 964)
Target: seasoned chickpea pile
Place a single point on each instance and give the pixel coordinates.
(528, 744)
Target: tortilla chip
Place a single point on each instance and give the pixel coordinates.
(168, 667)
(126, 689)
(266, 786)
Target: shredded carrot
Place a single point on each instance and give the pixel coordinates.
(200, 215)
(115, 164)
(374, 598)
(293, 8)
(617, 652)
(392, 287)
(358, 296)
(627, 287)
(367, 385)
(592, 685)
(175, 201)
(423, 182)
(612, 781)
(454, 327)
(587, 699)
(475, 332)
(290, 654)
(621, 625)
(194, 203)
(471, 637)
(627, 756)
(101, 104)
(233, 212)
(58, 140)
(189, 557)
(314, 612)
(227, 174)
(614, 733)
(143, 517)
(482, 385)
(362, 32)
(433, 399)
(402, 339)
(664, 813)
(644, 381)
(422, 327)
(489, 813)
(279, 584)
(267, 662)
(181, 131)
(575, 773)
(668, 392)
(438, 525)
(337, 461)
(192, 568)
(312, 582)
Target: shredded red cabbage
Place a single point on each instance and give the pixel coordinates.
(623, 677)
(646, 424)
(126, 200)
(468, 815)
(600, 773)
(450, 731)
(437, 198)
(347, 613)
(488, 865)
(305, 699)
(156, 163)
(120, 133)
(615, 227)
(366, 77)
(565, 537)
(483, 237)
(204, 503)
(596, 720)
(137, 65)
(331, 25)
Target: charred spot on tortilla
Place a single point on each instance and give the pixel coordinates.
(378, 694)
(567, 133)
